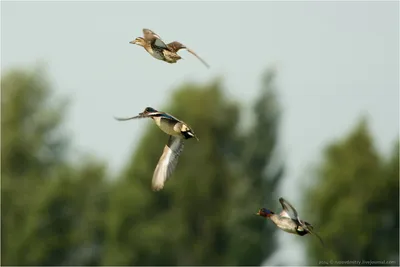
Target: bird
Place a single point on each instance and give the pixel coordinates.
(292, 225)
(156, 47)
(178, 131)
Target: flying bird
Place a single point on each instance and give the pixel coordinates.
(178, 131)
(285, 222)
(156, 47)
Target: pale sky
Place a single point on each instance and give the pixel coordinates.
(335, 60)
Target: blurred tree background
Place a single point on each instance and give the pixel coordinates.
(49, 207)
(55, 212)
(354, 201)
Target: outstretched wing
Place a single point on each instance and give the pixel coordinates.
(130, 118)
(309, 228)
(167, 163)
(199, 58)
(144, 115)
(320, 239)
(168, 116)
(175, 46)
(287, 209)
(154, 39)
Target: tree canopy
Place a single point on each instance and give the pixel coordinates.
(354, 201)
(59, 212)
(56, 212)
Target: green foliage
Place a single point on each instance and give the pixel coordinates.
(58, 213)
(199, 217)
(262, 170)
(49, 209)
(31, 137)
(354, 202)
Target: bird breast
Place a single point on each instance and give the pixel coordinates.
(285, 224)
(167, 126)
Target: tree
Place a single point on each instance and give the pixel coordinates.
(263, 171)
(30, 148)
(32, 140)
(386, 240)
(194, 220)
(55, 212)
(47, 204)
(354, 201)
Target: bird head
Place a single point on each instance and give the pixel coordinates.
(139, 41)
(264, 212)
(147, 111)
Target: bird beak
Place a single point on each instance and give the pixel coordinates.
(132, 42)
(258, 213)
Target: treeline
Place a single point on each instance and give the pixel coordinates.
(58, 212)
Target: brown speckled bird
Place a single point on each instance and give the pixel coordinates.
(156, 47)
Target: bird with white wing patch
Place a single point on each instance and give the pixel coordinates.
(178, 131)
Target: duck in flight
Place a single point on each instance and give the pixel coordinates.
(156, 47)
(178, 131)
(285, 222)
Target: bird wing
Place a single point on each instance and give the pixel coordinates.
(309, 228)
(169, 117)
(146, 115)
(287, 208)
(154, 39)
(160, 43)
(199, 58)
(167, 162)
(175, 46)
(320, 239)
(130, 118)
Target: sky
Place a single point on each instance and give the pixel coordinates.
(335, 62)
